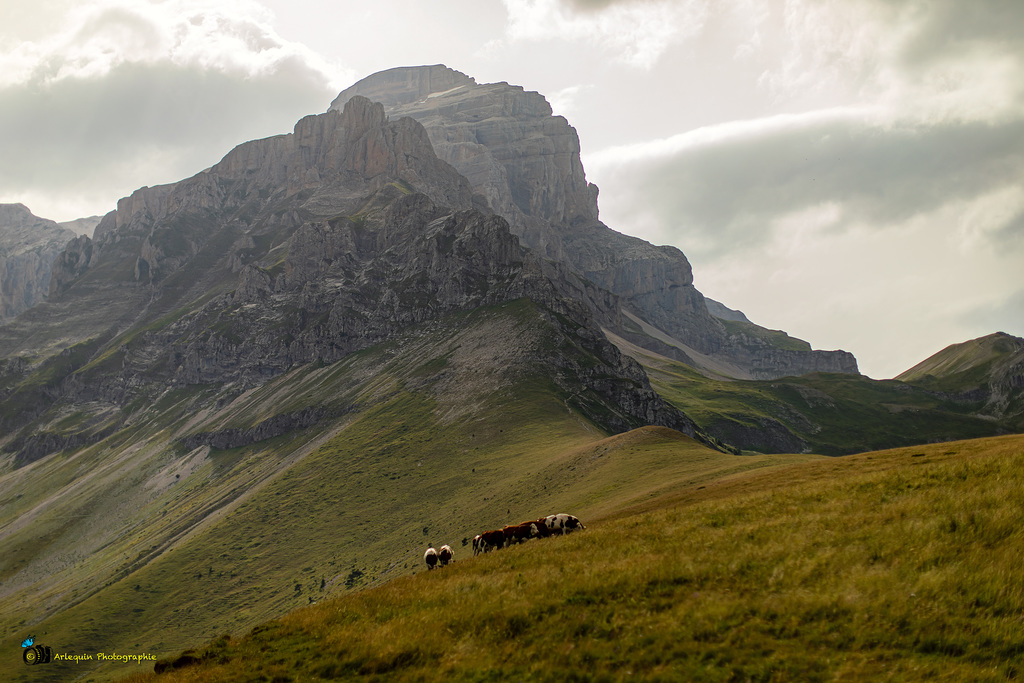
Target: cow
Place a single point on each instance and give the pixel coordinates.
(519, 533)
(491, 539)
(476, 545)
(430, 557)
(445, 555)
(542, 527)
(562, 523)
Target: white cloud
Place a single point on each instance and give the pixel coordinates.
(636, 33)
(226, 35)
(127, 93)
(892, 296)
(563, 102)
(944, 59)
(717, 190)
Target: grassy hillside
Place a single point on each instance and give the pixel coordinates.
(985, 374)
(142, 543)
(964, 365)
(831, 414)
(899, 565)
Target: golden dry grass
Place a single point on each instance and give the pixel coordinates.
(896, 565)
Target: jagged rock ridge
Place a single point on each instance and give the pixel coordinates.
(526, 162)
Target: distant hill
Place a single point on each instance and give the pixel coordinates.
(82, 226)
(837, 414)
(985, 374)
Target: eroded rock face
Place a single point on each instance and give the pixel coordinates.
(505, 140)
(526, 162)
(28, 247)
(305, 248)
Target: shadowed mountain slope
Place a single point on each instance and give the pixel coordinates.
(827, 413)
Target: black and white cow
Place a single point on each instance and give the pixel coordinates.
(430, 557)
(562, 523)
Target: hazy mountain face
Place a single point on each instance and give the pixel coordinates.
(28, 247)
(526, 162)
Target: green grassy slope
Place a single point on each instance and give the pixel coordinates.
(899, 565)
(964, 365)
(361, 510)
(832, 414)
(984, 374)
(140, 543)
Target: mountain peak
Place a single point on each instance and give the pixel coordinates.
(404, 84)
(526, 162)
(975, 354)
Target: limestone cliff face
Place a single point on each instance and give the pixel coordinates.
(505, 140)
(28, 247)
(526, 162)
(304, 248)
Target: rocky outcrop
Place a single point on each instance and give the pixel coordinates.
(526, 162)
(267, 429)
(723, 312)
(71, 263)
(505, 140)
(28, 247)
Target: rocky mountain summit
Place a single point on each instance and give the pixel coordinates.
(28, 247)
(297, 249)
(526, 162)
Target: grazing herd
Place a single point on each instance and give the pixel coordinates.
(524, 531)
(508, 535)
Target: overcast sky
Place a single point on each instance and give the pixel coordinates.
(851, 172)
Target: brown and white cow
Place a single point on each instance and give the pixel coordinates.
(519, 533)
(489, 540)
(430, 557)
(445, 555)
(542, 527)
(562, 523)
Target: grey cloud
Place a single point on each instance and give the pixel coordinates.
(947, 27)
(1006, 315)
(1012, 233)
(728, 192)
(594, 5)
(80, 134)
